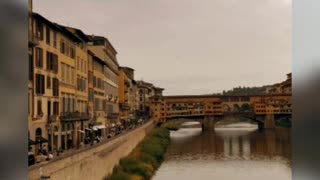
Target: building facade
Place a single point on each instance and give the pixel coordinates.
(76, 87)
(104, 50)
(127, 95)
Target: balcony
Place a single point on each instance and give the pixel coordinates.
(52, 119)
(74, 116)
(124, 106)
(127, 83)
(112, 115)
(33, 40)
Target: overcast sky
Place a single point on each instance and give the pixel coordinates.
(188, 46)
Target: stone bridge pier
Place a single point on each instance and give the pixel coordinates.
(269, 121)
(208, 123)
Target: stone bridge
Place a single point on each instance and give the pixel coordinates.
(263, 109)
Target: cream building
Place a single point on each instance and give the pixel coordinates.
(103, 49)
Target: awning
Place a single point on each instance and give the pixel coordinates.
(81, 131)
(119, 123)
(31, 142)
(113, 125)
(100, 126)
(40, 140)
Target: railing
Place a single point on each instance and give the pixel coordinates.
(124, 106)
(112, 115)
(52, 118)
(33, 39)
(74, 116)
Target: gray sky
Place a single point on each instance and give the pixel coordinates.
(188, 46)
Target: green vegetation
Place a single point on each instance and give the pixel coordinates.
(146, 158)
(172, 125)
(244, 91)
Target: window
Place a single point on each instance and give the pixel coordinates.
(72, 53)
(78, 63)
(55, 87)
(85, 66)
(64, 104)
(48, 82)
(78, 83)
(63, 72)
(52, 62)
(62, 47)
(30, 67)
(55, 108)
(49, 60)
(94, 81)
(28, 103)
(39, 108)
(40, 84)
(67, 74)
(90, 77)
(48, 35)
(39, 57)
(91, 95)
(81, 61)
(55, 63)
(67, 48)
(54, 39)
(39, 30)
(72, 75)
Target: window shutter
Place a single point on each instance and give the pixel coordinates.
(41, 57)
(48, 60)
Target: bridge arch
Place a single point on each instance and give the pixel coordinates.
(236, 108)
(246, 108)
(226, 108)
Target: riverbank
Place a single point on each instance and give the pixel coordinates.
(172, 125)
(146, 158)
(95, 162)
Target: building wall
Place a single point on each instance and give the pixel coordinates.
(99, 92)
(123, 94)
(42, 111)
(111, 84)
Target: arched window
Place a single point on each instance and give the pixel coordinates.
(38, 132)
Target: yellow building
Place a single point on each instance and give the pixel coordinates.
(33, 41)
(127, 95)
(45, 82)
(90, 56)
(80, 117)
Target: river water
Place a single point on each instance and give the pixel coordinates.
(230, 152)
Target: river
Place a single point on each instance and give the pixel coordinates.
(229, 152)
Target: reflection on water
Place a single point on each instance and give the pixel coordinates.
(227, 153)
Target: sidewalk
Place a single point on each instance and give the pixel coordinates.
(69, 152)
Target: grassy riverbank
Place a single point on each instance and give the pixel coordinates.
(147, 157)
(172, 125)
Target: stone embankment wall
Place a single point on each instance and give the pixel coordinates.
(93, 163)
